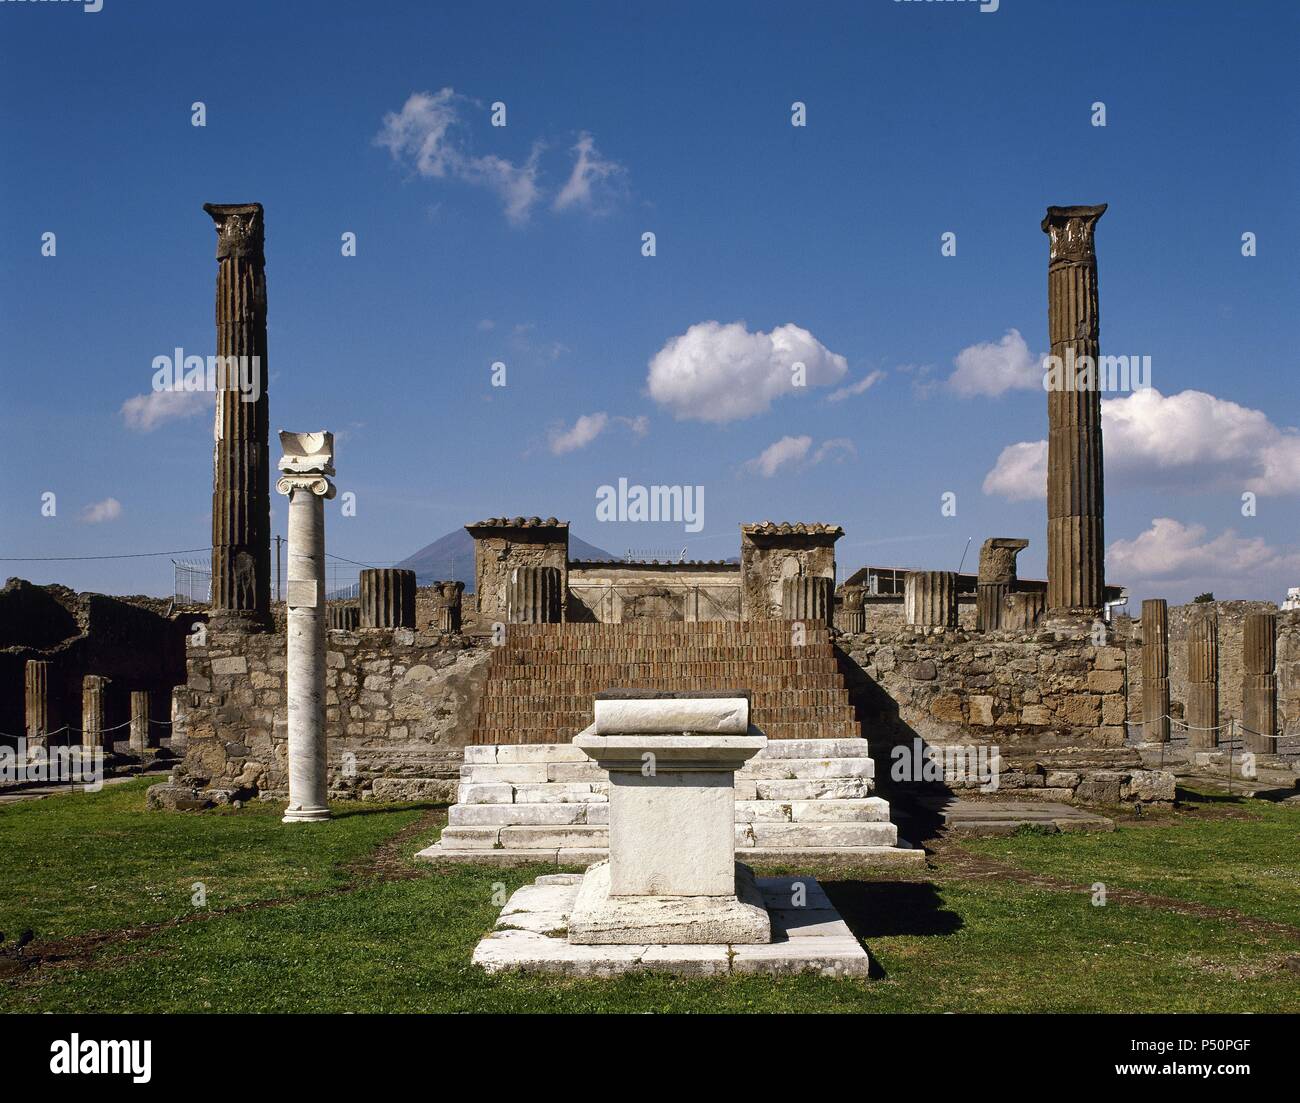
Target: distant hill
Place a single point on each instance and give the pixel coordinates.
(450, 558)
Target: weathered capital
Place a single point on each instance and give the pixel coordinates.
(240, 230)
(1070, 232)
(308, 458)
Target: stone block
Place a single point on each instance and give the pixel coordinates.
(562, 792)
(1106, 681)
(538, 752)
(765, 811)
(1036, 715)
(232, 664)
(865, 810)
(791, 769)
(511, 815)
(573, 771)
(481, 755)
(814, 748)
(469, 838)
(542, 837)
(516, 773)
(413, 788)
(820, 834)
(981, 710)
(492, 792)
(814, 789)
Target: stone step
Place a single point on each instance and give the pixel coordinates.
(527, 815)
(860, 810)
(816, 834)
(828, 788)
(863, 857)
(802, 769)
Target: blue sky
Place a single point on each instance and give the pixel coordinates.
(522, 244)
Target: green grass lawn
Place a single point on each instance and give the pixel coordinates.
(337, 935)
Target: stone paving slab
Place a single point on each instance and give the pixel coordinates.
(811, 940)
(971, 817)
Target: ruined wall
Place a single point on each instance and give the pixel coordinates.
(501, 545)
(1052, 702)
(619, 593)
(770, 553)
(888, 615)
(402, 702)
(1232, 615)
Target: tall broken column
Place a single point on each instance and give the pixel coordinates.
(1258, 682)
(241, 497)
(1202, 713)
(1155, 670)
(306, 465)
(94, 688)
(1075, 549)
(997, 579)
(39, 709)
(140, 715)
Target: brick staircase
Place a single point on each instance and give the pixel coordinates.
(542, 681)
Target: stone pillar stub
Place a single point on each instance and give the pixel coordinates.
(1075, 500)
(533, 595)
(1259, 682)
(772, 552)
(306, 467)
(996, 580)
(502, 544)
(1022, 611)
(930, 599)
(811, 600)
(1202, 711)
(447, 598)
(1155, 670)
(241, 499)
(854, 612)
(387, 598)
(344, 617)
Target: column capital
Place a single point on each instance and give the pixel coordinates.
(307, 461)
(1070, 232)
(240, 230)
(316, 484)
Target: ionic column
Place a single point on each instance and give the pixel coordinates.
(38, 706)
(808, 599)
(139, 721)
(1258, 682)
(1155, 670)
(930, 599)
(447, 606)
(533, 595)
(387, 598)
(997, 578)
(241, 498)
(1075, 511)
(1202, 711)
(93, 689)
(307, 462)
(855, 609)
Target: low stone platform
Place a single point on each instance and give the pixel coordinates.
(979, 817)
(531, 936)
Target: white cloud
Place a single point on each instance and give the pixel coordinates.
(145, 412)
(1020, 473)
(110, 509)
(995, 367)
(426, 134)
(785, 451)
(593, 181)
(719, 373)
(1178, 556)
(586, 429)
(860, 387)
(793, 451)
(638, 426)
(1186, 441)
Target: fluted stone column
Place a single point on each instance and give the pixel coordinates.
(307, 463)
(1202, 679)
(306, 466)
(855, 609)
(94, 688)
(447, 606)
(37, 702)
(241, 497)
(533, 595)
(140, 716)
(387, 598)
(997, 578)
(808, 599)
(1155, 670)
(1258, 682)
(1075, 510)
(1021, 611)
(930, 599)
(345, 617)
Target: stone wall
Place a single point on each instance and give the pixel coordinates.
(400, 706)
(1051, 702)
(618, 593)
(771, 553)
(501, 544)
